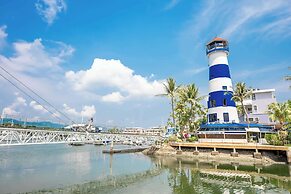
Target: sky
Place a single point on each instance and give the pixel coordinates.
(107, 59)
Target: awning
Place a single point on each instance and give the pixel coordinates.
(253, 129)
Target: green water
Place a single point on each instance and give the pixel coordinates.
(62, 168)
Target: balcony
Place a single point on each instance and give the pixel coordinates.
(216, 47)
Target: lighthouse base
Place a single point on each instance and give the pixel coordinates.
(232, 133)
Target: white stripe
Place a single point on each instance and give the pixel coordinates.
(219, 57)
(233, 117)
(217, 83)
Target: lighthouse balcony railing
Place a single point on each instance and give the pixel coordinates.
(216, 48)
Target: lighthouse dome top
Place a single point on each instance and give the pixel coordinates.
(217, 39)
(217, 44)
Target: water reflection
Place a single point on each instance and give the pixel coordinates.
(86, 170)
(202, 177)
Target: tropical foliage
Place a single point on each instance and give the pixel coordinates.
(240, 93)
(288, 78)
(280, 112)
(170, 91)
(274, 139)
(187, 110)
(190, 112)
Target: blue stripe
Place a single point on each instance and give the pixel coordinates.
(219, 97)
(219, 70)
(226, 49)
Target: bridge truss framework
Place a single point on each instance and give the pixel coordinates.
(13, 136)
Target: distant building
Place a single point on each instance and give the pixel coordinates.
(155, 131)
(141, 131)
(257, 106)
(133, 130)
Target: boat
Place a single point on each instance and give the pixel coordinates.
(77, 143)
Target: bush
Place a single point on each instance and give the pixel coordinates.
(192, 139)
(274, 139)
(173, 138)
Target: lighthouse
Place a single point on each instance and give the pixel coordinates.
(221, 108)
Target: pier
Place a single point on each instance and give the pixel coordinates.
(235, 147)
(124, 150)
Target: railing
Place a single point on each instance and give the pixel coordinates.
(217, 47)
(12, 136)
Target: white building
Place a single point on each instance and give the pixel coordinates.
(141, 131)
(257, 106)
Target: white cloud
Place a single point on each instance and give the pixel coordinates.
(113, 97)
(171, 4)
(250, 12)
(3, 36)
(281, 28)
(37, 107)
(198, 70)
(116, 76)
(11, 110)
(235, 20)
(49, 9)
(70, 111)
(87, 111)
(243, 74)
(33, 57)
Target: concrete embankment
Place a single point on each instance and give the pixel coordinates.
(266, 157)
(124, 150)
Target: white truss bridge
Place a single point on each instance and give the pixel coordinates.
(14, 136)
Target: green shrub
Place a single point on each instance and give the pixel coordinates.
(173, 138)
(274, 139)
(192, 139)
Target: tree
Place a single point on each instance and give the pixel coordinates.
(288, 78)
(240, 93)
(170, 91)
(189, 111)
(280, 112)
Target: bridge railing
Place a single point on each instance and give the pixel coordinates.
(14, 136)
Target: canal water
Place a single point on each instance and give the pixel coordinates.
(60, 168)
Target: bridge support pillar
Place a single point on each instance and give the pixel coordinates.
(196, 152)
(179, 151)
(234, 153)
(214, 152)
(257, 155)
(111, 147)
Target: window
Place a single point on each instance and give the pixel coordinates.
(253, 97)
(212, 117)
(255, 108)
(257, 120)
(212, 103)
(251, 119)
(226, 117)
(224, 102)
(249, 109)
(224, 87)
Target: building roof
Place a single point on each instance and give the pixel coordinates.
(262, 91)
(237, 126)
(216, 39)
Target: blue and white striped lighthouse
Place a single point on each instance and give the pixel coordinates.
(221, 109)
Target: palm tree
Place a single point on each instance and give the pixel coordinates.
(288, 78)
(170, 91)
(190, 95)
(240, 93)
(279, 112)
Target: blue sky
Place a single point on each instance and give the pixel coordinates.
(51, 46)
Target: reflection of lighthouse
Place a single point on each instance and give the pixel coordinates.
(221, 109)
